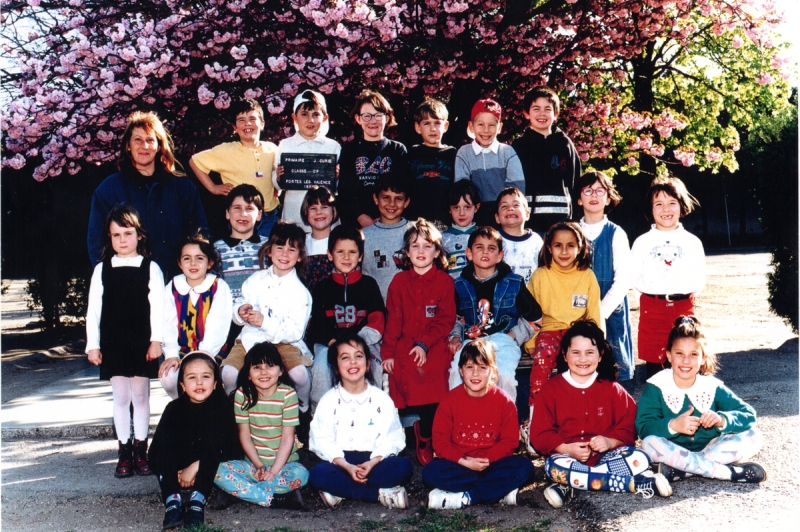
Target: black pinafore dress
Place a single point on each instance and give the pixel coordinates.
(125, 322)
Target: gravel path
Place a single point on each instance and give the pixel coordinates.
(68, 484)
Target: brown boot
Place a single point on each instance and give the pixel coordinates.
(125, 462)
(140, 458)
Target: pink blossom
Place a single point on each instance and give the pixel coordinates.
(657, 150)
(737, 42)
(204, 95)
(764, 78)
(253, 94)
(223, 101)
(16, 162)
(276, 106)
(105, 136)
(684, 155)
(714, 155)
(631, 161)
(239, 53)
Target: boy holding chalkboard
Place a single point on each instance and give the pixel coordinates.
(248, 161)
(432, 164)
(310, 117)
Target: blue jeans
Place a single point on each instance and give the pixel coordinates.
(487, 486)
(268, 220)
(390, 472)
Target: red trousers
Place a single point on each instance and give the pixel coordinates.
(545, 356)
(655, 322)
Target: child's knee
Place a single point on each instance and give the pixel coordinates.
(299, 375)
(653, 445)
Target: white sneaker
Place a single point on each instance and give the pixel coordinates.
(648, 484)
(393, 497)
(331, 501)
(446, 500)
(511, 498)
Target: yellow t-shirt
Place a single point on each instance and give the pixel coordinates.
(565, 296)
(239, 165)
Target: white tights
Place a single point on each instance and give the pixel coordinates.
(229, 376)
(302, 384)
(127, 390)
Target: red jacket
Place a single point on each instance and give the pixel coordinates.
(421, 309)
(478, 427)
(563, 413)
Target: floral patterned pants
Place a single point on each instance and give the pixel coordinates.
(238, 477)
(545, 356)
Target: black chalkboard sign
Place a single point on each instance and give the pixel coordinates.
(303, 170)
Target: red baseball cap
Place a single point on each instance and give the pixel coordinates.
(486, 106)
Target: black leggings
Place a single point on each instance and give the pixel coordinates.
(426, 414)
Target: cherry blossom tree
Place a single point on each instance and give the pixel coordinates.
(661, 80)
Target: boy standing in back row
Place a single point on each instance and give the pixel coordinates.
(247, 161)
(549, 161)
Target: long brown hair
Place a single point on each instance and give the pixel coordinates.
(151, 124)
(124, 216)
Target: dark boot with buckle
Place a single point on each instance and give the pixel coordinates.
(125, 461)
(140, 458)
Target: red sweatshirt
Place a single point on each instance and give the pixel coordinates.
(478, 427)
(563, 413)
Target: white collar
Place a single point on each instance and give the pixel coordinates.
(572, 382)
(701, 394)
(478, 149)
(270, 273)
(183, 288)
(300, 140)
(660, 232)
(116, 260)
(601, 223)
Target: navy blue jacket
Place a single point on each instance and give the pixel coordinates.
(168, 206)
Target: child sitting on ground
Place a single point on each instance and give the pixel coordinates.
(465, 200)
(492, 166)
(357, 434)
(318, 212)
(196, 432)
(197, 310)
(583, 421)
(475, 434)
(239, 258)
(346, 301)
(432, 163)
(492, 302)
(690, 422)
(265, 405)
(246, 161)
(522, 246)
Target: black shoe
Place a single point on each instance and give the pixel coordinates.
(748, 472)
(223, 500)
(173, 516)
(557, 495)
(125, 460)
(289, 501)
(672, 474)
(195, 514)
(303, 429)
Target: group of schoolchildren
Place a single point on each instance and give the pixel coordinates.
(326, 326)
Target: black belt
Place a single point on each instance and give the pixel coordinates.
(669, 297)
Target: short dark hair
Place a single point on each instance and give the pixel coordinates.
(310, 102)
(673, 187)
(210, 362)
(125, 216)
(542, 91)
(318, 195)
(392, 183)
(511, 191)
(590, 178)
(430, 108)
(244, 105)
(248, 193)
(489, 232)
(346, 232)
(606, 369)
(480, 351)
(464, 189)
(260, 353)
